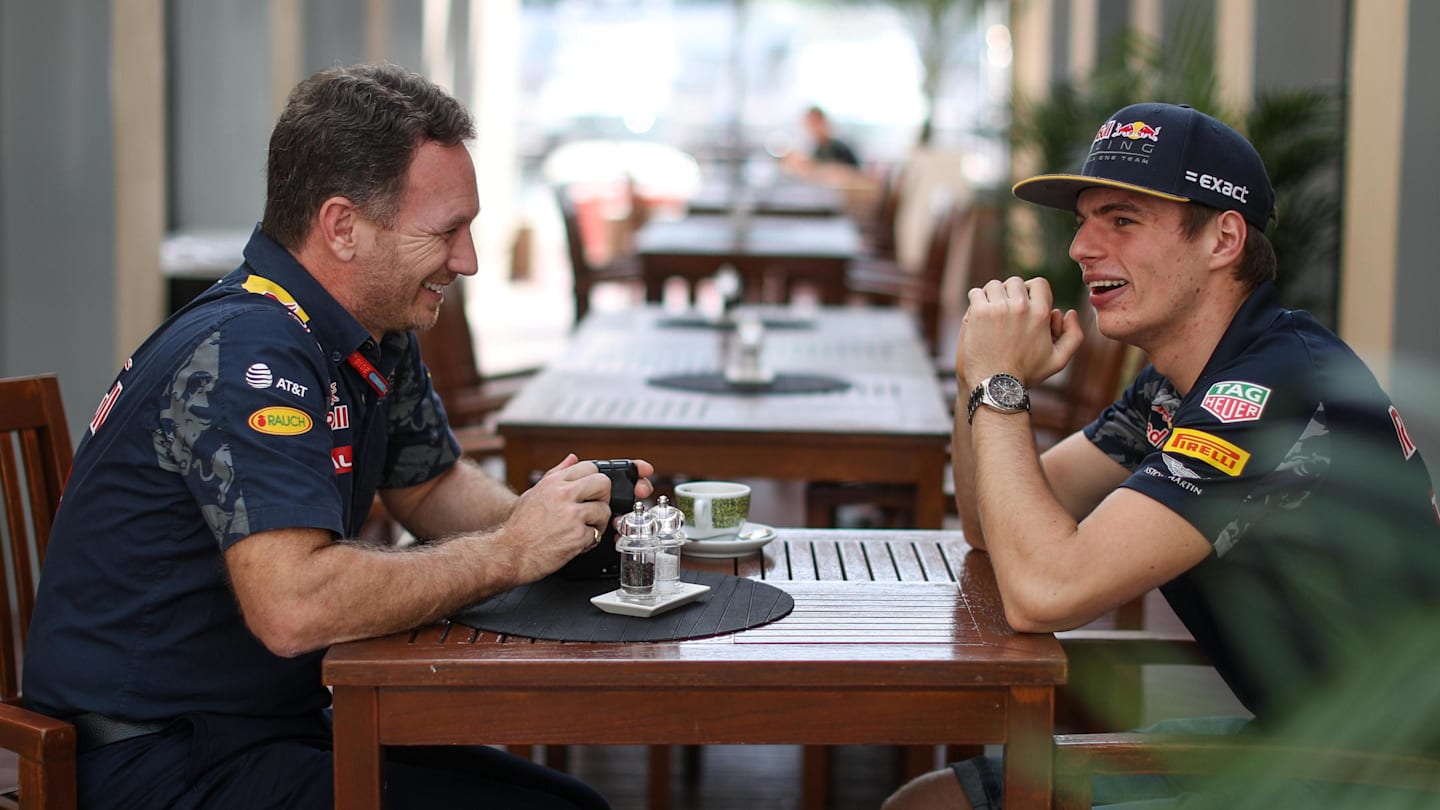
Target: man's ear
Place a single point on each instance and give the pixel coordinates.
(338, 223)
(1230, 230)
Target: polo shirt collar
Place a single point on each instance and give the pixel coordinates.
(334, 328)
(1256, 316)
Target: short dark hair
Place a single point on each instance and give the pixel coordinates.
(1257, 264)
(352, 132)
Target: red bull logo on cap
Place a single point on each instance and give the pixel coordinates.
(1135, 130)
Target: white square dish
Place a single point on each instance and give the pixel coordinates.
(610, 601)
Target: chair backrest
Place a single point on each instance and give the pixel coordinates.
(448, 348)
(1095, 374)
(580, 268)
(882, 224)
(35, 456)
(949, 219)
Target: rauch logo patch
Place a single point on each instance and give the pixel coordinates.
(280, 421)
(1236, 401)
(1212, 450)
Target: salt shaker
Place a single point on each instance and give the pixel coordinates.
(669, 539)
(637, 547)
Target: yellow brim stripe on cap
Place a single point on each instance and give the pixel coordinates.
(1079, 181)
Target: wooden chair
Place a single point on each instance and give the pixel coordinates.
(621, 269)
(1092, 382)
(35, 456)
(1080, 756)
(471, 397)
(884, 281)
(878, 230)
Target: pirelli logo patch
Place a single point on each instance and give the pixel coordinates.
(1212, 450)
(280, 421)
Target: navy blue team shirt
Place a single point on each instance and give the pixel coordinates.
(1290, 459)
(261, 405)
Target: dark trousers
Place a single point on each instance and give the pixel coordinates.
(248, 763)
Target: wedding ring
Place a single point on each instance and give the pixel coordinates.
(596, 541)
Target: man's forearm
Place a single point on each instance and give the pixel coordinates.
(301, 591)
(463, 499)
(1018, 511)
(962, 469)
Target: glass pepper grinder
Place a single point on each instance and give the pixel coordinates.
(670, 539)
(637, 547)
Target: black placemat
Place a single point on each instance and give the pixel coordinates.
(700, 322)
(558, 609)
(714, 382)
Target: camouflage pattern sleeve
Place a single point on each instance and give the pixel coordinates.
(237, 423)
(421, 445)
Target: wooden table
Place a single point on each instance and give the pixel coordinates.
(897, 638)
(891, 426)
(790, 199)
(775, 248)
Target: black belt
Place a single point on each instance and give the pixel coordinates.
(96, 730)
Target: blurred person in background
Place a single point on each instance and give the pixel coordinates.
(829, 157)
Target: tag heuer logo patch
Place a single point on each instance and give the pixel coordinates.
(1236, 401)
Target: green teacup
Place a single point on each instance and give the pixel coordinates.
(714, 510)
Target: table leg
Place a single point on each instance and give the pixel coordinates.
(815, 773)
(357, 757)
(930, 497)
(1029, 748)
(659, 783)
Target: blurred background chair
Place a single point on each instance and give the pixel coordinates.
(1068, 402)
(35, 456)
(876, 280)
(964, 250)
(621, 267)
(471, 398)
(878, 230)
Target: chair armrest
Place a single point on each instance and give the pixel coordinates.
(35, 736)
(1133, 647)
(1132, 753)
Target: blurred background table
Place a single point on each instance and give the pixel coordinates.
(779, 199)
(777, 250)
(890, 426)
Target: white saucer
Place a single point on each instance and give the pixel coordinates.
(610, 601)
(752, 537)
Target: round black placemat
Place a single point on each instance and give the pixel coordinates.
(715, 383)
(558, 609)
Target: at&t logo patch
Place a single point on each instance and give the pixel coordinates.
(280, 421)
(258, 376)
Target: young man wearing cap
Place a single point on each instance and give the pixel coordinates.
(1255, 472)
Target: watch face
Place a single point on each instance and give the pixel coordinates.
(1006, 391)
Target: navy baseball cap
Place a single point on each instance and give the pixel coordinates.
(1167, 151)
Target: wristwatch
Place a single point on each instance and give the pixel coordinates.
(1002, 392)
